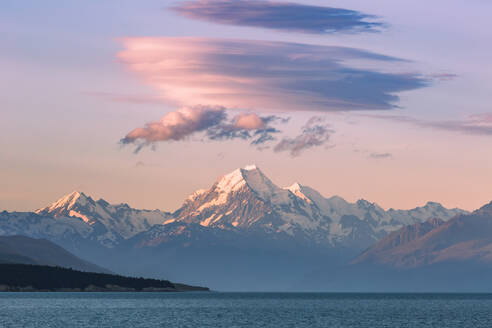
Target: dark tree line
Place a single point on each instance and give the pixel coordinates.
(47, 277)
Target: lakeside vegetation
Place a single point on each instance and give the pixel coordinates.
(26, 277)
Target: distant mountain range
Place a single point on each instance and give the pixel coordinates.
(436, 255)
(107, 224)
(243, 233)
(28, 264)
(247, 201)
(26, 250)
(465, 237)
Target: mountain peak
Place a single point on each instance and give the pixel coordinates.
(247, 179)
(66, 202)
(364, 203)
(73, 195)
(487, 208)
(251, 167)
(295, 187)
(109, 222)
(231, 182)
(250, 176)
(433, 204)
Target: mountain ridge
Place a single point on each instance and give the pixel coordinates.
(242, 199)
(242, 228)
(26, 250)
(292, 208)
(467, 236)
(110, 223)
(433, 256)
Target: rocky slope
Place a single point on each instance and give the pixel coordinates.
(466, 237)
(433, 256)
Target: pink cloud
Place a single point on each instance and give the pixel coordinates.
(177, 125)
(249, 121)
(264, 75)
(212, 120)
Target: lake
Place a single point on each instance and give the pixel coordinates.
(244, 310)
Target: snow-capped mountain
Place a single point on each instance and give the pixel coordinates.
(108, 224)
(241, 231)
(246, 200)
(41, 226)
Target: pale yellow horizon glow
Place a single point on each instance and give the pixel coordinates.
(447, 170)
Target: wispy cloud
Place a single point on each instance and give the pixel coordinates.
(314, 133)
(443, 76)
(380, 155)
(212, 121)
(481, 119)
(478, 124)
(282, 16)
(265, 75)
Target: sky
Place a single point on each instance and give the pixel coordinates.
(144, 102)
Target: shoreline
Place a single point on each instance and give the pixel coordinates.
(98, 289)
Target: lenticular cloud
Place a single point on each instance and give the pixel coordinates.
(266, 76)
(281, 16)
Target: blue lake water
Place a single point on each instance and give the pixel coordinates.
(244, 310)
